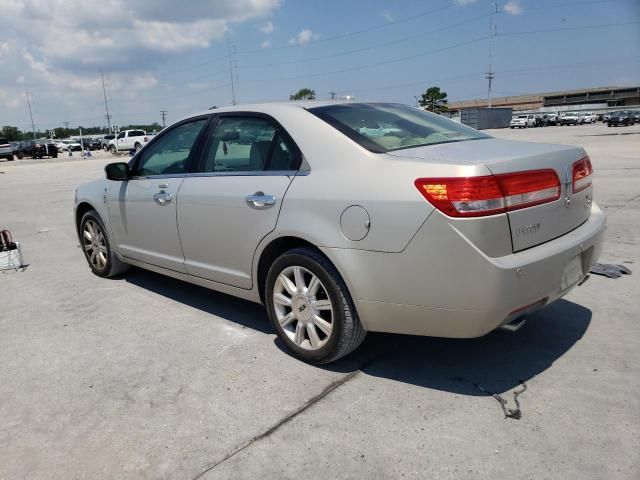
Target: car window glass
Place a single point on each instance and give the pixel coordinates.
(121, 135)
(239, 145)
(168, 154)
(282, 156)
(136, 133)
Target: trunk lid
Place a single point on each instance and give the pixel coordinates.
(528, 226)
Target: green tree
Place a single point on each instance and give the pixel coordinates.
(303, 94)
(434, 100)
(11, 133)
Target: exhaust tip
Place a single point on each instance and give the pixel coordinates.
(514, 325)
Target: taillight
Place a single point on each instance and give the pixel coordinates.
(491, 194)
(581, 174)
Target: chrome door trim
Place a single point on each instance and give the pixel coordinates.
(268, 173)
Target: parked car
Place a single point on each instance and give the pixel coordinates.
(620, 118)
(552, 118)
(588, 117)
(87, 143)
(72, 145)
(570, 118)
(104, 141)
(6, 150)
(636, 115)
(523, 121)
(128, 140)
(437, 229)
(538, 120)
(38, 149)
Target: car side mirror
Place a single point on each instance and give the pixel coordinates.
(118, 171)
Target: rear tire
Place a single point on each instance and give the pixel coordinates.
(314, 289)
(96, 246)
(113, 150)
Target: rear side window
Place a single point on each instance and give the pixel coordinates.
(248, 144)
(384, 127)
(4, 141)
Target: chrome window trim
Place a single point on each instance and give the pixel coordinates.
(254, 173)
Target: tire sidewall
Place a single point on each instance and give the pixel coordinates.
(337, 301)
(92, 215)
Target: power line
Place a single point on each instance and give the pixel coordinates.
(357, 32)
(564, 29)
(369, 47)
(370, 65)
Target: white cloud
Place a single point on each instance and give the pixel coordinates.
(303, 37)
(387, 16)
(464, 2)
(513, 7)
(61, 45)
(267, 27)
(265, 44)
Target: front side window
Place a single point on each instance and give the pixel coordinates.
(121, 135)
(381, 127)
(247, 144)
(168, 155)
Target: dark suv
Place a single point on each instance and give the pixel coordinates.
(90, 143)
(620, 118)
(38, 149)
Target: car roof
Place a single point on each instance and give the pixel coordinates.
(273, 107)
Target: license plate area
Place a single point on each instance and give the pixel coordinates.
(573, 272)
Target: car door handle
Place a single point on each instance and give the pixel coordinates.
(260, 201)
(162, 197)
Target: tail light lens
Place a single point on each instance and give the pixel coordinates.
(581, 174)
(491, 194)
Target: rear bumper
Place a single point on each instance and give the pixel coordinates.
(442, 285)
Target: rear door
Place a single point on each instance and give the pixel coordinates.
(142, 210)
(234, 199)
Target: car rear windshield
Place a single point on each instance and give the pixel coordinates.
(387, 127)
(3, 141)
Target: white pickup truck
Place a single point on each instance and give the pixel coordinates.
(129, 140)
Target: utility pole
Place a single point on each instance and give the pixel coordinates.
(164, 114)
(233, 87)
(33, 126)
(333, 95)
(66, 125)
(490, 74)
(106, 105)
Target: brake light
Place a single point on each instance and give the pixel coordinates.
(581, 174)
(491, 194)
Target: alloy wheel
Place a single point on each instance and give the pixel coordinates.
(303, 307)
(95, 245)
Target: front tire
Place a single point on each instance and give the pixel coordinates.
(97, 249)
(310, 307)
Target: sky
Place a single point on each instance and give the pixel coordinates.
(175, 56)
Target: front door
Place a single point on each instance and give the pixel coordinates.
(234, 199)
(142, 210)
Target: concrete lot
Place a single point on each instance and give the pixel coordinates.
(148, 377)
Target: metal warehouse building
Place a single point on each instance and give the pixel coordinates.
(594, 98)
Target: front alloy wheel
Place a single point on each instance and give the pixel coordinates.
(97, 249)
(94, 245)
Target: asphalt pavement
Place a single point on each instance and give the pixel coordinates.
(146, 377)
